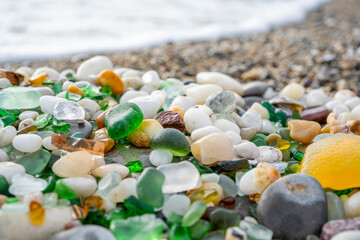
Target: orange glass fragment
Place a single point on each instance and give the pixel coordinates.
(39, 79)
(72, 144)
(75, 90)
(37, 213)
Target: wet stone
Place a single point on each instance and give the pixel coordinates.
(149, 187)
(231, 166)
(305, 197)
(332, 228)
(171, 140)
(317, 114)
(80, 126)
(255, 88)
(222, 102)
(170, 119)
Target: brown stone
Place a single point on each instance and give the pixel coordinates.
(14, 78)
(332, 228)
(100, 120)
(170, 119)
(303, 131)
(317, 114)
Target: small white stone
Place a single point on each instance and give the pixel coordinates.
(183, 102)
(159, 95)
(353, 102)
(148, 105)
(204, 131)
(344, 95)
(132, 82)
(226, 125)
(210, 177)
(352, 205)
(131, 95)
(47, 103)
(26, 123)
(356, 111)
(151, 78)
(269, 154)
(93, 66)
(347, 235)
(315, 97)
(7, 134)
(4, 83)
(251, 119)
(331, 104)
(201, 92)
(260, 109)
(44, 91)
(247, 150)
(239, 100)
(125, 189)
(267, 126)
(102, 171)
(225, 82)
(247, 182)
(83, 186)
(293, 90)
(10, 169)
(46, 142)
(234, 137)
(28, 114)
(160, 157)
(27, 143)
(196, 118)
(3, 156)
(89, 104)
(347, 116)
(178, 204)
(52, 73)
(36, 197)
(340, 109)
(97, 161)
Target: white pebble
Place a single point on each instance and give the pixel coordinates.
(4, 83)
(251, 119)
(132, 94)
(247, 150)
(353, 102)
(27, 143)
(26, 123)
(160, 157)
(267, 126)
(7, 134)
(340, 109)
(260, 109)
(226, 125)
(210, 177)
(125, 189)
(83, 186)
(46, 142)
(10, 169)
(148, 105)
(178, 204)
(151, 78)
(269, 154)
(89, 104)
(196, 118)
(234, 137)
(183, 102)
(225, 82)
(204, 131)
(3, 156)
(93, 66)
(28, 114)
(201, 92)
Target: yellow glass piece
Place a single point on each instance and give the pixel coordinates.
(39, 80)
(282, 144)
(102, 135)
(207, 196)
(74, 89)
(94, 201)
(37, 213)
(334, 161)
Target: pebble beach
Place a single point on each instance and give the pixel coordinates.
(244, 138)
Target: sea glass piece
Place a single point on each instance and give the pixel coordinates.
(335, 207)
(107, 183)
(134, 166)
(282, 144)
(179, 177)
(122, 120)
(223, 218)
(78, 144)
(200, 229)
(149, 187)
(22, 184)
(43, 120)
(194, 213)
(222, 102)
(172, 140)
(19, 98)
(64, 190)
(178, 232)
(131, 229)
(68, 110)
(37, 213)
(35, 162)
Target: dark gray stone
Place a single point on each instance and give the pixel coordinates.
(256, 88)
(250, 100)
(80, 125)
(293, 207)
(243, 206)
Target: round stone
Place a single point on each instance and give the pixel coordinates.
(222, 102)
(27, 142)
(196, 118)
(149, 106)
(7, 134)
(171, 140)
(102, 171)
(293, 207)
(9, 169)
(247, 150)
(74, 164)
(83, 186)
(28, 114)
(160, 157)
(93, 66)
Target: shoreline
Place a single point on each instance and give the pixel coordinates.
(322, 51)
